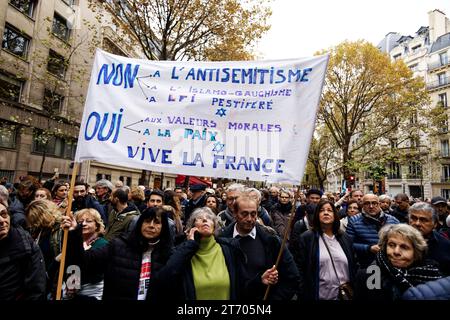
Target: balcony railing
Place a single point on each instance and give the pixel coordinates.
(437, 65)
(439, 83)
(445, 179)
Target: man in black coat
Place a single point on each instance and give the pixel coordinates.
(261, 249)
(82, 200)
(197, 200)
(22, 268)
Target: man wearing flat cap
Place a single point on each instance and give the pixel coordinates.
(197, 200)
(313, 197)
(440, 205)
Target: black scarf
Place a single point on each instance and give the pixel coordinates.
(285, 208)
(408, 277)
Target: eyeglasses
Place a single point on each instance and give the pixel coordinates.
(371, 203)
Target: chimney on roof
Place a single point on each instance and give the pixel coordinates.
(439, 24)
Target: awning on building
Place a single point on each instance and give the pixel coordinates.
(192, 180)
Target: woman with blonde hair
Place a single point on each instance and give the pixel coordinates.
(137, 196)
(93, 230)
(400, 263)
(43, 221)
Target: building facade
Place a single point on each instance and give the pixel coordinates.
(427, 173)
(47, 53)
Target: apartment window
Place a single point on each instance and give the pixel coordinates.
(443, 99)
(413, 118)
(414, 67)
(394, 144)
(70, 147)
(415, 170)
(15, 42)
(443, 128)
(55, 146)
(69, 2)
(52, 102)
(441, 78)
(397, 56)
(394, 171)
(60, 28)
(444, 148)
(443, 58)
(445, 193)
(110, 47)
(56, 64)
(10, 87)
(101, 176)
(26, 6)
(414, 142)
(416, 48)
(8, 134)
(9, 174)
(445, 173)
(126, 180)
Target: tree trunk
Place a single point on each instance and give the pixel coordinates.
(143, 180)
(41, 169)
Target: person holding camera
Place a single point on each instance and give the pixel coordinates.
(325, 258)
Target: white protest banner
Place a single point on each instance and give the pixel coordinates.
(238, 119)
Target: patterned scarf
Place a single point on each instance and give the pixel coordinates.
(409, 277)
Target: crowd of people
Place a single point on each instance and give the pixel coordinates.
(135, 243)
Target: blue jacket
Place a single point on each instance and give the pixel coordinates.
(432, 290)
(439, 250)
(364, 233)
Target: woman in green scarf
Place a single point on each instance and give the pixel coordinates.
(206, 268)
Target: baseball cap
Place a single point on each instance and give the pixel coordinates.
(437, 200)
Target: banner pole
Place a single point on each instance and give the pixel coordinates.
(66, 231)
(283, 243)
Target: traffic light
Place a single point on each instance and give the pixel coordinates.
(352, 180)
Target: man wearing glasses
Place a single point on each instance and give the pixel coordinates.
(363, 229)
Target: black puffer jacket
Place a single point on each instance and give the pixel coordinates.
(120, 260)
(22, 268)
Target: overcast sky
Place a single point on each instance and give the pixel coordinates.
(302, 27)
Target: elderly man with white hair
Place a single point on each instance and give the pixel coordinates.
(233, 192)
(4, 195)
